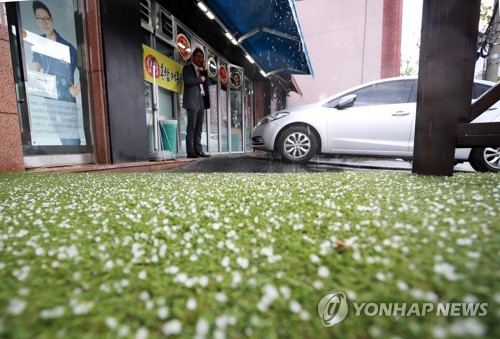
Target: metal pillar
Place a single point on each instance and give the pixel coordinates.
(446, 72)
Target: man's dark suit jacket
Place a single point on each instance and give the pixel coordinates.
(192, 91)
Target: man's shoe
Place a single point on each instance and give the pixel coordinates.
(202, 155)
(192, 155)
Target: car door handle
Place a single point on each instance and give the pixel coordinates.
(400, 114)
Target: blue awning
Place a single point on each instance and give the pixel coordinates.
(269, 32)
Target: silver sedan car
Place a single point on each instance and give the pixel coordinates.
(374, 119)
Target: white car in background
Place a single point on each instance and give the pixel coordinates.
(373, 119)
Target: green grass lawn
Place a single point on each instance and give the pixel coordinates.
(237, 255)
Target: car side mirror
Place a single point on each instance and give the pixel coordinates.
(346, 101)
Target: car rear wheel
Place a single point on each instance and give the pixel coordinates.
(297, 144)
(485, 159)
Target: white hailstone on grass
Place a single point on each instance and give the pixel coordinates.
(314, 258)
(163, 313)
(144, 296)
(223, 321)
(446, 270)
(172, 327)
(323, 272)
(16, 306)
(285, 291)
(191, 304)
(111, 322)
(123, 331)
(469, 298)
(225, 262)
(304, 315)
(104, 287)
(464, 241)
(53, 313)
(243, 262)
(470, 327)
(141, 333)
(318, 284)
(109, 265)
(79, 307)
(202, 328)
(143, 275)
(295, 306)
(22, 273)
(203, 281)
(221, 297)
(137, 250)
(219, 334)
(403, 286)
(160, 301)
(23, 291)
(270, 294)
(351, 295)
(2, 265)
(380, 276)
(439, 332)
(172, 270)
(418, 293)
(237, 279)
(267, 251)
(163, 251)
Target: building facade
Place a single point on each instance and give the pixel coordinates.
(98, 82)
(349, 43)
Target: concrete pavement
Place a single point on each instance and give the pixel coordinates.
(265, 163)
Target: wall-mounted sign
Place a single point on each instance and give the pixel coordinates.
(212, 68)
(223, 75)
(183, 46)
(235, 79)
(168, 72)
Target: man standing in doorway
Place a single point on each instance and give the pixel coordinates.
(195, 100)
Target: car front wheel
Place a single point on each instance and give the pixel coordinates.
(297, 144)
(485, 159)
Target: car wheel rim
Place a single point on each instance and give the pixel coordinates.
(492, 157)
(297, 145)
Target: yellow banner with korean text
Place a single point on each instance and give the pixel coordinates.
(168, 72)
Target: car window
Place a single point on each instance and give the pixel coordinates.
(386, 93)
(478, 90)
(394, 92)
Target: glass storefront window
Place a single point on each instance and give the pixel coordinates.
(248, 108)
(214, 110)
(58, 118)
(184, 57)
(224, 125)
(236, 97)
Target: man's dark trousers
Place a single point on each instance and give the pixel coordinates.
(194, 129)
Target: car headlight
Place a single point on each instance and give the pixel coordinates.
(272, 117)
